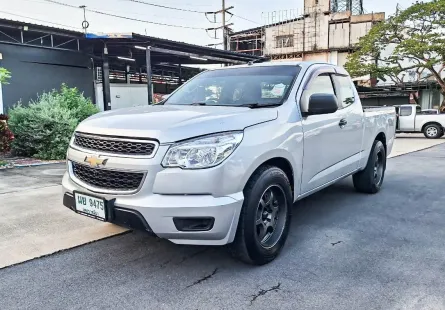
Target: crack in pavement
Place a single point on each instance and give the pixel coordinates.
(334, 243)
(164, 264)
(203, 278)
(187, 257)
(262, 292)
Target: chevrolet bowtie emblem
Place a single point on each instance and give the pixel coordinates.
(95, 161)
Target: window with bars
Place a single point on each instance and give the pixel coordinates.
(284, 41)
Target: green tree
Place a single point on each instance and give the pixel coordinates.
(411, 41)
(5, 75)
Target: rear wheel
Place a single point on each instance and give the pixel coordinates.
(265, 217)
(433, 131)
(370, 180)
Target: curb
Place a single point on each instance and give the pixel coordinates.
(66, 249)
(12, 166)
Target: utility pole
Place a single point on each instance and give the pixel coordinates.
(224, 25)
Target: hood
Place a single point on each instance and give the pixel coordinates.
(171, 123)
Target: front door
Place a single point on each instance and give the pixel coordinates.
(322, 135)
(351, 112)
(406, 118)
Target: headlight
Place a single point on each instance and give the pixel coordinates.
(202, 152)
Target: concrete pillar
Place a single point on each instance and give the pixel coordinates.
(1, 100)
(149, 81)
(106, 88)
(333, 57)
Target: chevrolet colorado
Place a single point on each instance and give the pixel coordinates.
(224, 157)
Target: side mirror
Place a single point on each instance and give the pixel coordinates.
(322, 104)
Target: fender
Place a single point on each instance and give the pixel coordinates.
(274, 154)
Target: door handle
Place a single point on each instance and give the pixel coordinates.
(342, 123)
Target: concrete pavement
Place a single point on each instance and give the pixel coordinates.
(34, 223)
(407, 143)
(345, 251)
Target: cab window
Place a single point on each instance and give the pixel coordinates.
(345, 91)
(406, 111)
(322, 84)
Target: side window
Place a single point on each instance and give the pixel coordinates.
(406, 111)
(345, 90)
(322, 84)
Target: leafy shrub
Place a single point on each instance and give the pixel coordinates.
(43, 128)
(6, 136)
(74, 101)
(5, 75)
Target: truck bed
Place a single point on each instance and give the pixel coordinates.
(379, 119)
(377, 108)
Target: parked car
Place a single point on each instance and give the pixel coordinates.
(410, 119)
(228, 169)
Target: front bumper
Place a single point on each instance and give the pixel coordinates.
(155, 213)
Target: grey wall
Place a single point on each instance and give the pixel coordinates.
(35, 70)
(384, 101)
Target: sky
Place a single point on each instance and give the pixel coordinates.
(248, 14)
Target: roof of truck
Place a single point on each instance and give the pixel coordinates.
(303, 64)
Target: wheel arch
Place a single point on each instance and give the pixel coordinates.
(382, 138)
(431, 123)
(282, 161)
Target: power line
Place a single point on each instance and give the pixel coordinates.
(39, 20)
(166, 7)
(245, 19)
(124, 17)
(120, 11)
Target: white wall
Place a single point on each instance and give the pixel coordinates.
(294, 28)
(123, 96)
(430, 99)
(339, 35)
(405, 77)
(359, 30)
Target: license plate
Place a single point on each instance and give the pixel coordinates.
(91, 206)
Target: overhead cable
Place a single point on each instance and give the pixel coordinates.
(124, 17)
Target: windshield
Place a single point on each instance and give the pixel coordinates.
(268, 85)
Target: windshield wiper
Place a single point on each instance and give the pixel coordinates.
(257, 105)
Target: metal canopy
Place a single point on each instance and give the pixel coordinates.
(163, 51)
(125, 58)
(144, 54)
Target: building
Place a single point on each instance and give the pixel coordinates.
(325, 30)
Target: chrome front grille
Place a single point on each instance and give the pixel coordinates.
(114, 145)
(109, 180)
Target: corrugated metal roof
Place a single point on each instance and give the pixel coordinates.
(134, 36)
(21, 23)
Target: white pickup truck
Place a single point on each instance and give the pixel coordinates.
(225, 157)
(411, 118)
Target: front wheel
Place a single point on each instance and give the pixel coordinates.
(265, 217)
(370, 180)
(433, 131)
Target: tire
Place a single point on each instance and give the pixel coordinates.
(370, 179)
(432, 131)
(256, 242)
